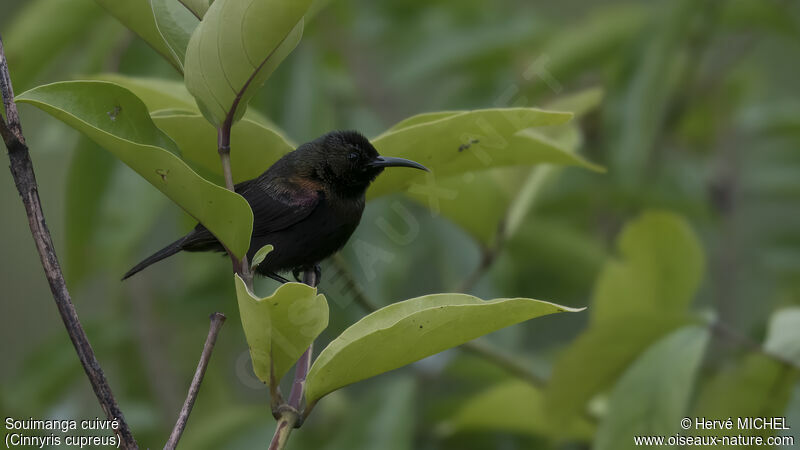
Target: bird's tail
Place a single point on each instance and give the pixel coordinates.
(165, 252)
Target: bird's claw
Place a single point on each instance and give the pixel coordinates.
(298, 273)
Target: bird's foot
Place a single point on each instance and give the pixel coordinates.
(298, 273)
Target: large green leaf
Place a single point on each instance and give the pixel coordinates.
(117, 120)
(138, 17)
(451, 144)
(237, 45)
(257, 146)
(280, 327)
(176, 24)
(408, 331)
(660, 267)
(513, 406)
(653, 394)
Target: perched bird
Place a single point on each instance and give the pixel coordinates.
(306, 205)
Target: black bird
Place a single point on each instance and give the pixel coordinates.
(306, 205)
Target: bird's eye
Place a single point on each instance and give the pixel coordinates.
(352, 156)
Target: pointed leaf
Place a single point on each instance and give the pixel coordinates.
(455, 143)
(408, 331)
(117, 120)
(653, 394)
(176, 24)
(237, 45)
(280, 327)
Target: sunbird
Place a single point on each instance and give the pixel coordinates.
(307, 204)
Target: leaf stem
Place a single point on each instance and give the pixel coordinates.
(25, 181)
(217, 319)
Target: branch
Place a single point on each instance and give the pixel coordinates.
(290, 416)
(217, 319)
(25, 180)
(240, 266)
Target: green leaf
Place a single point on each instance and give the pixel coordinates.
(660, 267)
(31, 40)
(88, 178)
(604, 350)
(653, 394)
(255, 146)
(383, 419)
(467, 141)
(197, 7)
(408, 331)
(176, 24)
(262, 253)
(280, 327)
(237, 45)
(138, 17)
(513, 407)
(783, 336)
(115, 119)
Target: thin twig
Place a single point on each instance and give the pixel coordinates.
(240, 266)
(503, 360)
(25, 180)
(721, 328)
(217, 319)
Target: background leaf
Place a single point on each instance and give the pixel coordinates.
(117, 120)
(517, 407)
(653, 395)
(637, 299)
(256, 147)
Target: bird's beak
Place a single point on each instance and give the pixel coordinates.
(388, 161)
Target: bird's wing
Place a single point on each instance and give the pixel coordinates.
(279, 203)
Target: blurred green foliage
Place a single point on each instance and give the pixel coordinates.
(698, 117)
